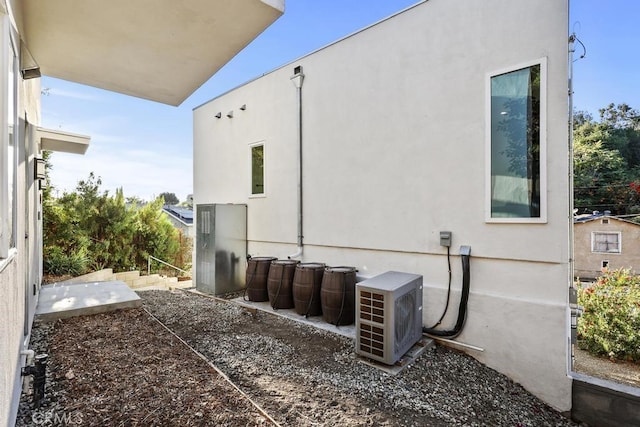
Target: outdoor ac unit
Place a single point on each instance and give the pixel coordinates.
(388, 315)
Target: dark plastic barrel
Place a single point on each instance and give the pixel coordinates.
(280, 283)
(337, 295)
(257, 273)
(307, 283)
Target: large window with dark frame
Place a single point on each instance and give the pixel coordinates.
(516, 144)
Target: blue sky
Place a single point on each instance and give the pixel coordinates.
(146, 147)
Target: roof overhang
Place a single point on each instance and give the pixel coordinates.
(65, 142)
(161, 50)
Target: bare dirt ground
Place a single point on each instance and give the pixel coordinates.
(123, 369)
(126, 369)
(600, 367)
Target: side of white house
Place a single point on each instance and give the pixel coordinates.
(20, 211)
(411, 127)
(85, 45)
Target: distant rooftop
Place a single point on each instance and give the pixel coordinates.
(591, 216)
(579, 219)
(184, 214)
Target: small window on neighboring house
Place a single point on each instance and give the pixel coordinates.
(605, 221)
(516, 146)
(606, 242)
(257, 170)
(605, 263)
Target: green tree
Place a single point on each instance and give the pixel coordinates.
(607, 160)
(620, 116)
(134, 201)
(91, 229)
(169, 198)
(623, 126)
(599, 172)
(154, 234)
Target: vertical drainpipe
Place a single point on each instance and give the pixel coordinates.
(572, 49)
(573, 308)
(297, 80)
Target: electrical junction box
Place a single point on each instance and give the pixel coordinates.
(388, 315)
(445, 238)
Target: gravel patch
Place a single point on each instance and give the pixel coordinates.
(305, 376)
(299, 375)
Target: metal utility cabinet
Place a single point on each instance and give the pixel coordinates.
(221, 247)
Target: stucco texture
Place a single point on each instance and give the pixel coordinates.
(394, 144)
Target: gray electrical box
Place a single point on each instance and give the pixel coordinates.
(221, 248)
(445, 238)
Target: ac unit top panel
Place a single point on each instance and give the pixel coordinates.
(390, 281)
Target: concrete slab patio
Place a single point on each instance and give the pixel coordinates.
(63, 300)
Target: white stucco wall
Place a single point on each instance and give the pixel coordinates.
(19, 273)
(394, 149)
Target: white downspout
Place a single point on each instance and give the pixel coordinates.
(30, 355)
(297, 79)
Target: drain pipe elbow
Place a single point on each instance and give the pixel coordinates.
(297, 254)
(30, 354)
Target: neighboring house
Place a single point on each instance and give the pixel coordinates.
(413, 126)
(181, 217)
(154, 51)
(604, 241)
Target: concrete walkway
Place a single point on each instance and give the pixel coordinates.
(62, 300)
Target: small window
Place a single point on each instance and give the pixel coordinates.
(516, 145)
(605, 263)
(257, 170)
(605, 221)
(606, 242)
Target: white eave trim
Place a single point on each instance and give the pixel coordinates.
(60, 141)
(276, 4)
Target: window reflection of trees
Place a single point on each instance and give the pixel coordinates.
(523, 154)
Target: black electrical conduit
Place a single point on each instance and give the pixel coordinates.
(277, 297)
(446, 305)
(255, 269)
(465, 254)
(344, 297)
(313, 291)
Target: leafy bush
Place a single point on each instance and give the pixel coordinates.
(91, 229)
(60, 263)
(610, 324)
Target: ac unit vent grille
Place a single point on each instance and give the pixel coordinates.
(372, 307)
(372, 340)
